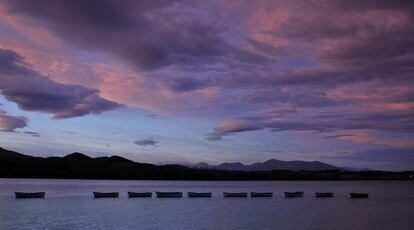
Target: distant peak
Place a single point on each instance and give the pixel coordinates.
(77, 155)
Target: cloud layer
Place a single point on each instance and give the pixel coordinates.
(146, 34)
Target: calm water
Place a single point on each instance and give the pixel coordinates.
(69, 205)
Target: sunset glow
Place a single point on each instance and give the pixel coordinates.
(187, 81)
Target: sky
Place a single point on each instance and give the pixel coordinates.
(187, 81)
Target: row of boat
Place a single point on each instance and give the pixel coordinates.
(193, 194)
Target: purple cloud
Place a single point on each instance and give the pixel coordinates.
(146, 34)
(400, 122)
(191, 47)
(233, 125)
(10, 123)
(146, 142)
(237, 125)
(33, 134)
(32, 91)
(339, 135)
(185, 84)
(386, 121)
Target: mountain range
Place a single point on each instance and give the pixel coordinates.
(269, 165)
(80, 166)
(272, 164)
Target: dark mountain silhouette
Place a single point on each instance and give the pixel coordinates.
(7, 154)
(77, 156)
(80, 166)
(272, 165)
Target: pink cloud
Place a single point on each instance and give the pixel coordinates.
(371, 137)
(32, 91)
(10, 123)
(28, 33)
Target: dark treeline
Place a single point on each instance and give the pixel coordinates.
(79, 166)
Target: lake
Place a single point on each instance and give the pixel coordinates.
(69, 205)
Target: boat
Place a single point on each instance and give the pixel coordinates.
(323, 194)
(139, 194)
(105, 194)
(235, 194)
(359, 195)
(169, 194)
(293, 194)
(199, 194)
(261, 194)
(30, 194)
